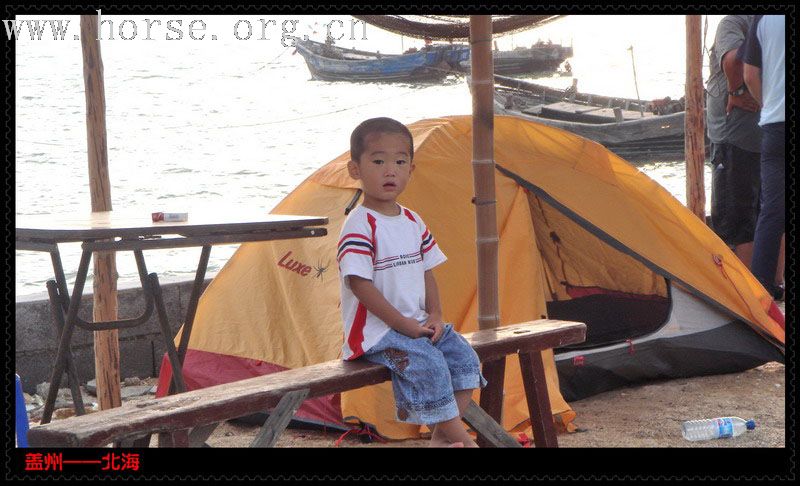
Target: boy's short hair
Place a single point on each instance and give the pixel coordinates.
(377, 125)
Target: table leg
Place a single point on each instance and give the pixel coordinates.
(532, 369)
(191, 310)
(66, 337)
(166, 332)
(150, 284)
(59, 289)
(57, 312)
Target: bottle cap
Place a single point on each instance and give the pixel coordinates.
(751, 424)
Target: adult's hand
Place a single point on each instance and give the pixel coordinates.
(746, 102)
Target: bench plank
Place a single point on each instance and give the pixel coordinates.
(230, 400)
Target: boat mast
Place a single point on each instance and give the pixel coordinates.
(636, 83)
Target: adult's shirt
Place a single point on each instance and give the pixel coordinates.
(740, 128)
(765, 48)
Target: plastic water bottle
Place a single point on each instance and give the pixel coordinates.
(716, 428)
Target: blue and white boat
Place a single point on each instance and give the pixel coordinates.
(332, 63)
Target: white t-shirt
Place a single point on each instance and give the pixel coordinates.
(394, 252)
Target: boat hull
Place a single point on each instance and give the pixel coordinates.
(638, 137)
(360, 66)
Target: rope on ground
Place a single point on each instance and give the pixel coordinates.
(275, 59)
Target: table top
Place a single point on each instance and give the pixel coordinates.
(121, 224)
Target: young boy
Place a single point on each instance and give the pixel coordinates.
(390, 302)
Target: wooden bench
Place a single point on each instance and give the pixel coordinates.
(189, 418)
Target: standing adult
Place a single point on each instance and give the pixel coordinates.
(732, 120)
(764, 57)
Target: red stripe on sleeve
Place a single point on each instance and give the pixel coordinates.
(426, 250)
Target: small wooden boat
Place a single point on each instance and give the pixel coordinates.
(635, 130)
(332, 63)
(329, 62)
(539, 57)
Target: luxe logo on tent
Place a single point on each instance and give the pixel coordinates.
(296, 266)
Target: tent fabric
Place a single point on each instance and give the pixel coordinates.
(259, 308)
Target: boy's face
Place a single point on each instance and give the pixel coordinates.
(384, 167)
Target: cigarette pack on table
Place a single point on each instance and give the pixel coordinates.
(170, 217)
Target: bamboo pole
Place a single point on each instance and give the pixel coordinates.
(483, 168)
(694, 124)
(491, 399)
(106, 343)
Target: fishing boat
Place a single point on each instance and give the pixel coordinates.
(332, 63)
(540, 57)
(435, 61)
(635, 130)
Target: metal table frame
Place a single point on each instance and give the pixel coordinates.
(65, 308)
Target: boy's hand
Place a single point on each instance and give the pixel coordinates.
(435, 324)
(411, 328)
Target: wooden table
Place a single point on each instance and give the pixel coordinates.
(120, 231)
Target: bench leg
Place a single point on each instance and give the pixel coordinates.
(279, 418)
(532, 369)
(492, 396)
(199, 435)
(487, 427)
(178, 438)
(140, 442)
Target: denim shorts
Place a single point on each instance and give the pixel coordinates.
(425, 374)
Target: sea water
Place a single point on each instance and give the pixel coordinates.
(238, 121)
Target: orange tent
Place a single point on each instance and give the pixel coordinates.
(583, 236)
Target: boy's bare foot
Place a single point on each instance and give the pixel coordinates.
(445, 443)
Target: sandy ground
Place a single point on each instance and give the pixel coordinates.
(649, 415)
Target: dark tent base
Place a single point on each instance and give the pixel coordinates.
(731, 348)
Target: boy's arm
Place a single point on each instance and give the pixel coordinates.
(376, 303)
(433, 306)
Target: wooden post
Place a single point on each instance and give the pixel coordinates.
(483, 168)
(480, 39)
(106, 343)
(694, 127)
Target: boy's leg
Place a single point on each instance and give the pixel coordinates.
(421, 383)
(465, 374)
(438, 436)
(450, 433)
